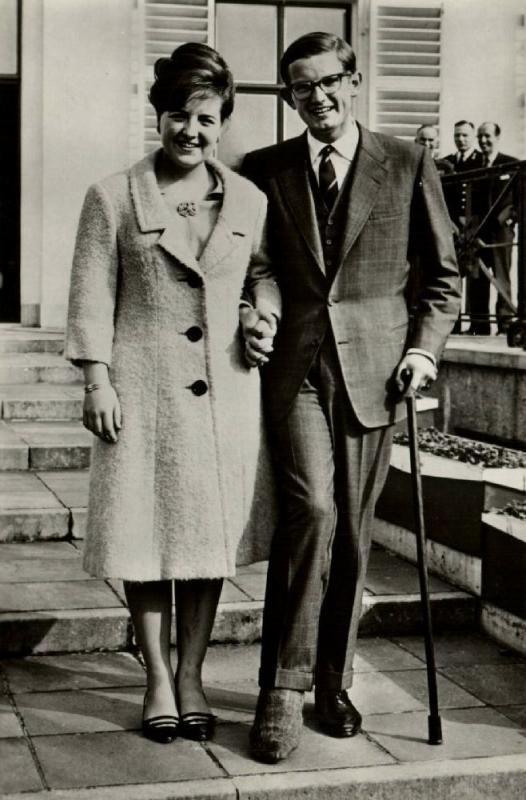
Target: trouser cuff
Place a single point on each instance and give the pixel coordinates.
(335, 681)
(287, 679)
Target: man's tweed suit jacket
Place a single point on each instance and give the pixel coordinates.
(396, 207)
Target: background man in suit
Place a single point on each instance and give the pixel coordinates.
(498, 230)
(427, 135)
(467, 156)
(459, 200)
(346, 208)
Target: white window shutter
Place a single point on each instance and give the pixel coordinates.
(168, 24)
(405, 52)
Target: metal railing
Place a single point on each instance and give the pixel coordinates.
(488, 212)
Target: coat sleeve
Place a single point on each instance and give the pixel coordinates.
(431, 241)
(261, 288)
(93, 285)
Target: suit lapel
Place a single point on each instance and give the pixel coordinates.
(370, 171)
(153, 214)
(296, 191)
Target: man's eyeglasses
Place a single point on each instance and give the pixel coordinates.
(329, 85)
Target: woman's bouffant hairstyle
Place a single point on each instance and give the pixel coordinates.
(313, 44)
(193, 69)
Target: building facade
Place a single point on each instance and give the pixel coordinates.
(74, 76)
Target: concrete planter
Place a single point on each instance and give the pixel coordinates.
(456, 494)
(503, 579)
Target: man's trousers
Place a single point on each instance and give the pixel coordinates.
(330, 471)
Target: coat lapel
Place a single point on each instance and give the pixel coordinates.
(295, 187)
(231, 223)
(153, 214)
(370, 170)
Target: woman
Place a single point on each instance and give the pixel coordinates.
(164, 252)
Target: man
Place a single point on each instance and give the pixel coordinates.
(498, 230)
(427, 135)
(346, 208)
(467, 156)
(459, 198)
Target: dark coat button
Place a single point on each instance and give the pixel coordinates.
(194, 281)
(199, 388)
(194, 333)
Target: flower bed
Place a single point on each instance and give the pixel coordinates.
(468, 451)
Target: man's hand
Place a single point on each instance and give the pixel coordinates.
(421, 371)
(102, 413)
(259, 330)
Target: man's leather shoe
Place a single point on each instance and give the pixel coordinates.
(277, 727)
(336, 714)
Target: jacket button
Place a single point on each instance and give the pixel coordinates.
(194, 333)
(199, 388)
(194, 281)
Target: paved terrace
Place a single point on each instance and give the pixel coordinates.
(69, 729)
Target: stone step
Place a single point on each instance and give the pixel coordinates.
(43, 445)
(17, 339)
(41, 401)
(43, 505)
(37, 368)
(49, 604)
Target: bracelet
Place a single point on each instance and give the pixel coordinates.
(91, 387)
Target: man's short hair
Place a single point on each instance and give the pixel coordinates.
(421, 128)
(464, 122)
(496, 127)
(313, 44)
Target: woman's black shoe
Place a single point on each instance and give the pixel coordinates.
(162, 729)
(198, 726)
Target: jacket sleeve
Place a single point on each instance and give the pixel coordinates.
(431, 241)
(261, 288)
(93, 286)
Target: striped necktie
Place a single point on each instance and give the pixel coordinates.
(327, 177)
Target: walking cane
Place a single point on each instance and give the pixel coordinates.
(434, 722)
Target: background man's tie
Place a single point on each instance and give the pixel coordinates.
(327, 177)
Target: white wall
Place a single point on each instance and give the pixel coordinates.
(479, 63)
(76, 91)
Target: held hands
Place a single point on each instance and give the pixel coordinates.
(415, 373)
(259, 329)
(102, 412)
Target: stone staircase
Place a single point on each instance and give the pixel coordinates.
(47, 603)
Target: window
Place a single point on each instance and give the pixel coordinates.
(252, 37)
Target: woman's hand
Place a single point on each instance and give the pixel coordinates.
(102, 412)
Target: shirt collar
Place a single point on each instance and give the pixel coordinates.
(466, 155)
(345, 146)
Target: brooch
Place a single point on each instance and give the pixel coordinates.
(187, 208)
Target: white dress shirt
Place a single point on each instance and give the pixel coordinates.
(341, 158)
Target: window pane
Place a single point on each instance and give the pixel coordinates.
(300, 20)
(8, 38)
(253, 125)
(246, 37)
(294, 125)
